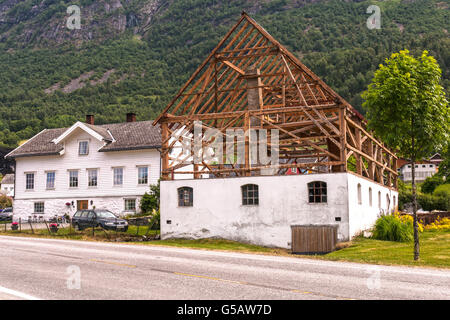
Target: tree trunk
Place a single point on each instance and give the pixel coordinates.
(416, 226)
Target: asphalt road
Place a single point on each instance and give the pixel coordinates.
(33, 268)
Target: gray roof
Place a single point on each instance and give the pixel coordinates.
(127, 136)
(8, 179)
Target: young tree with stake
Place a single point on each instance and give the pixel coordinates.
(406, 107)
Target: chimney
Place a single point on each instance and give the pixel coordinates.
(131, 117)
(90, 119)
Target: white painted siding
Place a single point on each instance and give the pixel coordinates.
(217, 209)
(104, 162)
(363, 216)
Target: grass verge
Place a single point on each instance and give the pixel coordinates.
(434, 246)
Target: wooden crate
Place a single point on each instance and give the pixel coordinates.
(310, 239)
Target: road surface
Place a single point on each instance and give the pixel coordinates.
(32, 268)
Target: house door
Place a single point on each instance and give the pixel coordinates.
(82, 204)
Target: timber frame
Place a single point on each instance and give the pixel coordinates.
(250, 81)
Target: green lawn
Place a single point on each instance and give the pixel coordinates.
(434, 251)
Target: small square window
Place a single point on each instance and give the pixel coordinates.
(185, 197)
(83, 148)
(250, 194)
(317, 192)
(130, 204)
(39, 207)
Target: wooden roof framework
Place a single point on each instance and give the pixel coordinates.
(251, 81)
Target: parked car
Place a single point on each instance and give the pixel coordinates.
(6, 214)
(83, 219)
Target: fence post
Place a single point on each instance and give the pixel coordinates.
(31, 226)
(20, 224)
(47, 227)
(93, 228)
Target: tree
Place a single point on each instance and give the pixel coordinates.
(150, 201)
(406, 107)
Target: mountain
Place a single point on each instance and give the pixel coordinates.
(133, 55)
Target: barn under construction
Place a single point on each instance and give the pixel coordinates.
(330, 169)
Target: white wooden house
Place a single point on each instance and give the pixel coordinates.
(85, 166)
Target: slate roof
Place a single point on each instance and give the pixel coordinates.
(8, 179)
(127, 136)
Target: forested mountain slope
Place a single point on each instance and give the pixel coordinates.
(133, 55)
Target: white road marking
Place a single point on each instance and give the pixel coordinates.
(17, 294)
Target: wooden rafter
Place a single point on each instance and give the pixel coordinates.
(250, 81)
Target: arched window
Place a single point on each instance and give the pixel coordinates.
(317, 192)
(370, 196)
(359, 194)
(379, 199)
(395, 203)
(388, 202)
(250, 195)
(185, 197)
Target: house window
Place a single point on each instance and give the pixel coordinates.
(424, 166)
(83, 148)
(130, 204)
(39, 207)
(73, 179)
(92, 178)
(29, 181)
(294, 170)
(143, 175)
(359, 194)
(317, 192)
(370, 196)
(118, 176)
(250, 195)
(185, 197)
(50, 180)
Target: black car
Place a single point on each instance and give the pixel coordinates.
(6, 214)
(83, 219)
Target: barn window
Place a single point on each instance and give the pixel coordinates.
(370, 196)
(185, 197)
(250, 195)
(359, 194)
(317, 192)
(379, 199)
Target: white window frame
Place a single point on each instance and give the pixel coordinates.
(43, 207)
(139, 178)
(46, 180)
(79, 147)
(121, 176)
(89, 172)
(128, 200)
(32, 181)
(70, 178)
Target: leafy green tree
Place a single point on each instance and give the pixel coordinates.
(150, 201)
(407, 108)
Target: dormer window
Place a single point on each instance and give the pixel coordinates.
(83, 148)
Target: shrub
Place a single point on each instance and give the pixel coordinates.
(150, 201)
(393, 228)
(431, 183)
(441, 224)
(431, 202)
(5, 201)
(156, 220)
